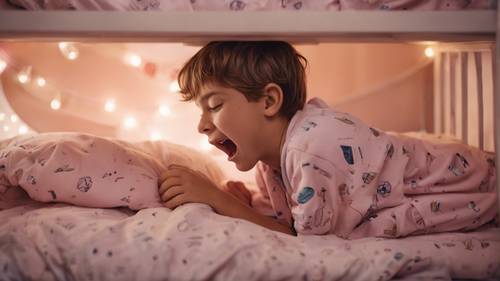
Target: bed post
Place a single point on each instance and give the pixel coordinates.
(496, 86)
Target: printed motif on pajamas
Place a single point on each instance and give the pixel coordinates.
(341, 176)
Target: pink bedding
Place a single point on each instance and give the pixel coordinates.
(252, 5)
(60, 242)
(56, 241)
(92, 171)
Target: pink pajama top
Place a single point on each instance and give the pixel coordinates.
(340, 176)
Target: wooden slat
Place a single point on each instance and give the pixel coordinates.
(464, 93)
(453, 105)
(480, 101)
(202, 26)
(438, 98)
(472, 102)
(446, 94)
(497, 106)
(488, 103)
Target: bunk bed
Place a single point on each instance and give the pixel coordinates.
(64, 242)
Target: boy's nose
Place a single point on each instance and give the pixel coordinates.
(204, 127)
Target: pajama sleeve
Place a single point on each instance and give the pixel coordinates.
(314, 195)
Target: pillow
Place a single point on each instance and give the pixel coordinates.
(93, 171)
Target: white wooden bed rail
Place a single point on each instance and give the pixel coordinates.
(307, 26)
(497, 107)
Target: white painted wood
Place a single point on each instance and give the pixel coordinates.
(202, 26)
(497, 107)
(447, 94)
(472, 101)
(488, 104)
(438, 98)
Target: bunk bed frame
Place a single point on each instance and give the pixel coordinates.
(201, 27)
(443, 26)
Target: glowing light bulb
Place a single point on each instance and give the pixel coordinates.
(22, 130)
(24, 76)
(63, 45)
(5, 128)
(3, 65)
(174, 87)
(55, 104)
(72, 55)
(129, 122)
(2, 116)
(40, 81)
(69, 50)
(13, 118)
(155, 135)
(110, 105)
(429, 52)
(134, 60)
(164, 110)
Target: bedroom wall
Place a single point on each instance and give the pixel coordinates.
(365, 79)
(389, 86)
(375, 82)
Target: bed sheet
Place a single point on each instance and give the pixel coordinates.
(252, 5)
(56, 241)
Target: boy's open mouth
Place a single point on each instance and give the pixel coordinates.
(228, 146)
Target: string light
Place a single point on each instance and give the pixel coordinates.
(72, 55)
(429, 52)
(3, 65)
(174, 87)
(69, 50)
(55, 104)
(40, 81)
(134, 60)
(164, 110)
(22, 130)
(129, 122)
(155, 135)
(63, 45)
(110, 105)
(24, 76)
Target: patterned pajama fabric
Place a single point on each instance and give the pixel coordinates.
(340, 176)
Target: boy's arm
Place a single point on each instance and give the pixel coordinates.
(316, 191)
(180, 185)
(225, 204)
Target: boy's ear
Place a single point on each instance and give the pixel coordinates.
(273, 99)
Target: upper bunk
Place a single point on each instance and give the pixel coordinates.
(206, 24)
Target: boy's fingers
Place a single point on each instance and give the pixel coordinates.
(175, 201)
(169, 182)
(171, 193)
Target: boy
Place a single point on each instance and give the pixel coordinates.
(324, 172)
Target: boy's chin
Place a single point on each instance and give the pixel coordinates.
(244, 167)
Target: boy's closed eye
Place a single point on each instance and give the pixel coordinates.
(215, 108)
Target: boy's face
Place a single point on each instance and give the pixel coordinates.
(232, 124)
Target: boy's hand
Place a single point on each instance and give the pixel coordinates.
(238, 190)
(180, 185)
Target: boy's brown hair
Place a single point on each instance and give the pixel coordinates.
(248, 66)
